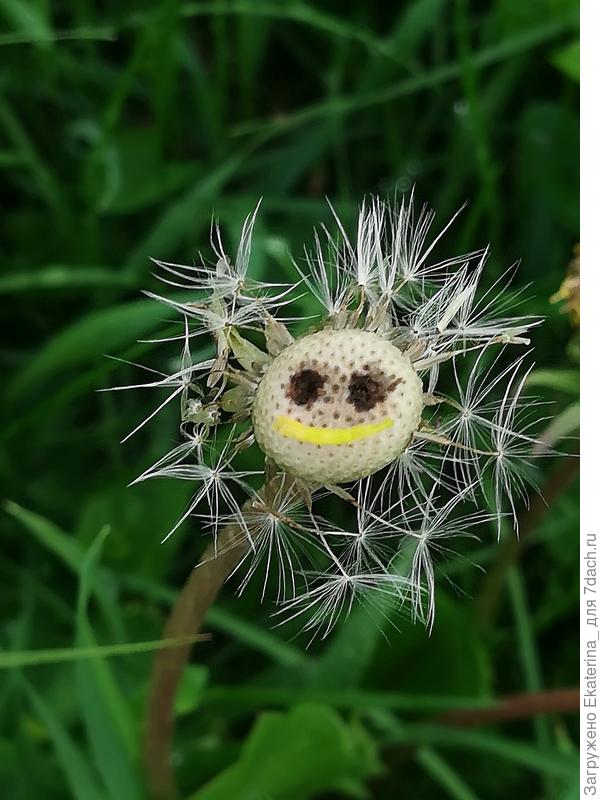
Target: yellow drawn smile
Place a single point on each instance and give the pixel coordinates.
(292, 429)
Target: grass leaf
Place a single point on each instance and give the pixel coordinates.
(61, 655)
(84, 343)
(106, 714)
(546, 761)
(70, 552)
(443, 774)
(82, 781)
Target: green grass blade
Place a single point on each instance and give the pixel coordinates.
(82, 781)
(85, 342)
(443, 774)
(61, 655)
(101, 33)
(563, 425)
(304, 14)
(562, 380)
(251, 697)
(545, 761)
(107, 717)
(56, 541)
(30, 19)
(42, 177)
(182, 216)
(509, 48)
(567, 59)
(70, 552)
(528, 648)
(59, 276)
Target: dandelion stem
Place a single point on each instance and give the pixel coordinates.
(186, 618)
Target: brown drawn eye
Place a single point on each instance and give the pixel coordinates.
(305, 387)
(365, 391)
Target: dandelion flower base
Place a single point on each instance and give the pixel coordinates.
(337, 405)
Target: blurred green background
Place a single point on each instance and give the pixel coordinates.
(123, 126)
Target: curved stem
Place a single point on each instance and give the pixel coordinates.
(516, 706)
(185, 619)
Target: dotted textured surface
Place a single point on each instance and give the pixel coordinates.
(361, 379)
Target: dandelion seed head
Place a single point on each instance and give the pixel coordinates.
(404, 399)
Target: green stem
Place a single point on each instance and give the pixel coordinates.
(186, 619)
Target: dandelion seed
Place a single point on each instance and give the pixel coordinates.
(513, 446)
(332, 597)
(283, 540)
(209, 466)
(436, 527)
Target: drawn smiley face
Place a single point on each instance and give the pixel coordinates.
(337, 405)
